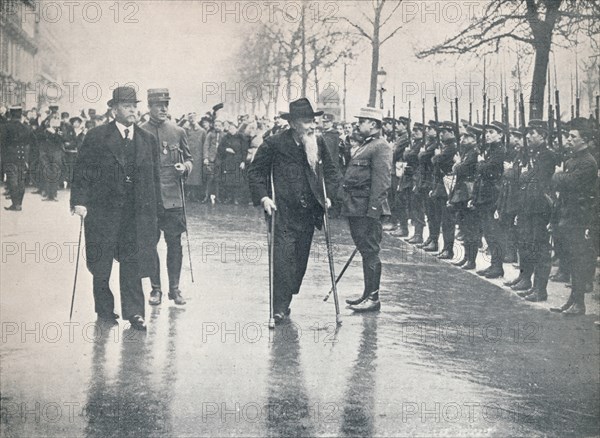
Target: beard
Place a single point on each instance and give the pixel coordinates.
(312, 150)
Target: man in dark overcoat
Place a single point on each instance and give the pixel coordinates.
(116, 188)
(298, 161)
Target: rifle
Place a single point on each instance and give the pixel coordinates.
(576, 85)
(558, 124)
(437, 131)
(409, 131)
(423, 112)
(572, 106)
(394, 105)
(506, 124)
(550, 113)
(483, 112)
(470, 102)
(456, 118)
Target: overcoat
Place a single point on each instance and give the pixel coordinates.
(98, 186)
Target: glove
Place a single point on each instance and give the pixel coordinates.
(79, 210)
(268, 205)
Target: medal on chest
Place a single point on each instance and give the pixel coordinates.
(165, 150)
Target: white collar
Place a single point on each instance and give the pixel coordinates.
(122, 129)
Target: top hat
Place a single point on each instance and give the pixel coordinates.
(123, 95)
(369, 112)
(16, 111)
(156, 95)
(300, 108)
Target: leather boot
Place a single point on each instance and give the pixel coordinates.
(175, 295)
(484, 271)
(471, 251)
(432, 247)
(565, 306)
(462, 261)
(538, 296)
(560, 277)
(513, 282)
(495, 272)
(155, 297)
(524, 284)
(527, 292)
(427, 242)
(370, 304)
(367, 279)
(446, 255)
(578, 307)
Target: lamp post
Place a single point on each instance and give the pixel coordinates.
(381, 77)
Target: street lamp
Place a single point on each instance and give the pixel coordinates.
(381, 77)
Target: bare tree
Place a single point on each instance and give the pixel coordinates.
(531, 22)
(371, 27)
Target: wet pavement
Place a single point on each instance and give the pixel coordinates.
(448, 355)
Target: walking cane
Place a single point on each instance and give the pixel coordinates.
(187, 236)
(338, 321)
(76, 267)
(271, 242)
(339, 277)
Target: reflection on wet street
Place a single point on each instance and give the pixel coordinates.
(449, 354)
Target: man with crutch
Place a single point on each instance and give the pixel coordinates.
(175, 164)
(292, 157)
(363, 191)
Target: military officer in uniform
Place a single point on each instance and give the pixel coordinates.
(363, 193)
(16, 140)
(416, 206)
(175, 164)
(116, 189)
(424, 182)
(298, 161)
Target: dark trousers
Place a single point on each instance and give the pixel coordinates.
(15, 181)
(441, 217)
(417, 212)
(468, 221)
(534, 248)
(51, 173)
(432, 223)
(403, 200)
(509, 234)
(212, 179)
(174, 262)
(130, 283)
(491, 232)
(293, 238)
(582, 253)
(366, 233)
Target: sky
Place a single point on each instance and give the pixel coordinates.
(190, 46)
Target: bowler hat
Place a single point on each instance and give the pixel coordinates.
(156, 95)
(369, 112)
(300, 108)
(123, 95)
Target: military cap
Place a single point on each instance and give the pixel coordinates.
(464, 122)
(475, 130)
(497, 126)
(418, 126)
(403, 119)
(388, 120)
(156, 95)
(327, 117)
(538, 125)
(446, 125)
(516, 132)
(432, 124)
(579, 124)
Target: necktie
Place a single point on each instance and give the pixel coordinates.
(127, 140)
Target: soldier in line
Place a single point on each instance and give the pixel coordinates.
(402, 189)
(441, 217)
(465, 168)
(578, 204)
(489, 172)
(534, 213)
(425, 183)
(416, 208)
(363, 193)
(16, 139)
(175, 164)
